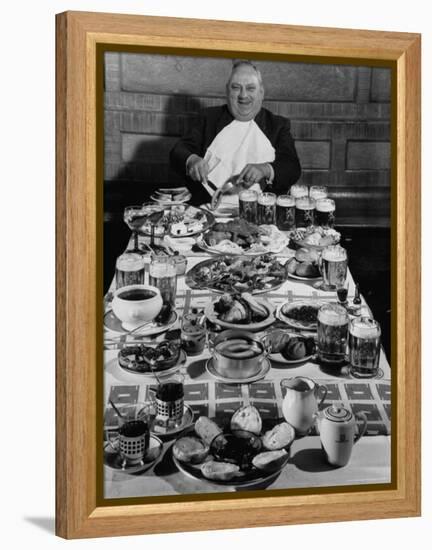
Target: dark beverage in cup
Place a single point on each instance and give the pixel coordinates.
(130, 270)
(325, 212)
(134, 440)
(304, 212)
(332, 332)
(318, 192)
(299, 190)
(364, 344)
(169, 400)
(267, 209)
(285, 212)
(248, 205)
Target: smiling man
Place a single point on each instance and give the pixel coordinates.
(241, 142)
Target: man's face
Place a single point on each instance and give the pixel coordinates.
(244, 94)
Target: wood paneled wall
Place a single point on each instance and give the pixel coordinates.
(340, 120)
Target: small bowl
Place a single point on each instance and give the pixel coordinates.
(230, 363)
(134, 305)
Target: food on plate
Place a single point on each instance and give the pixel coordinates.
(306, 255)
(236, 453)
(145, 359)
(190, 449)
(221, 471)
(291, 265)
(233, 274)
(176, 220)
(279, 437)
(304, 314)
(270, 461)
(238, 236)
(240, 309)
(246, 418)
(276, 339)
(306, 269)
(207, 429)
(315, 236)
(291, 346)
(294, 349)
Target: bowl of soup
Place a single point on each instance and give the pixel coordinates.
(134, 305)
(238, 354)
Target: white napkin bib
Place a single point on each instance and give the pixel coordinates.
(236, 145)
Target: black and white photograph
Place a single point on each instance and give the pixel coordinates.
(246, 275)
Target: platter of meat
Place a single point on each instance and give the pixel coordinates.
(256, 275)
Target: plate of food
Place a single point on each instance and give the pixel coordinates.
(241, 455)
(290, 348)
(304, 265)
(225, 274)
(239, 237)
(175, 220)
(164, 358)
(241, 310)
(171, 195)
(315, 237)
(299, 314)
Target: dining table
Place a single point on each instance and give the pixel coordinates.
(207, 394)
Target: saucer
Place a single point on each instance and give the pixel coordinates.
(265, 367)
(113, 324)
(114, 460)
(186, 421)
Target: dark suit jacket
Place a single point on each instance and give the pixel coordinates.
(210, 122)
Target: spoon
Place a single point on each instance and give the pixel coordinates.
(116, 410)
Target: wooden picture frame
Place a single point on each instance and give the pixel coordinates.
(78, 217)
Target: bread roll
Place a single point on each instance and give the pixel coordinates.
(270, 461)
(207, 429)
(221, 471)
(190, 449)
(247, 418)
(279, 437)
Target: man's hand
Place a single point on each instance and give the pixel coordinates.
(197, 168)
(254, 173)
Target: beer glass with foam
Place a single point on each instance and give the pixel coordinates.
(325, 212)
(299, 190)
(130, 270)
(318, 192)
(285, 212)
(267, 209)
(332, 329)
(334, 267)
(248, 205)
(304, 212)
(364, 342)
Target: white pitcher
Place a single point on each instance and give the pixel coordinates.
(301, 402)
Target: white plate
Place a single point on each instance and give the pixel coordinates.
(279, 358)
(114, 461)
(113, 324)
(167, 202)
(265, 367)
(299, 278)
(254, 327)
(292, 322)
(161, 373)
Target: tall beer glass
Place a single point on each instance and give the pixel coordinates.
(299, 190)
(325, 212)
(318, 192)
(334, 267)
(130, 270)
(267, 209)
(248, 205)
(332, 333)
(163, 275)
(304, 212)
(364, 343)
(285, 212)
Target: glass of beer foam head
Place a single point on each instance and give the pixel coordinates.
(267, 208)
(305, 212)
(285, 212)
(299, 190)
(334, 267)
(364, 343)
(325, 212)
(332, 333)
(248, 200)
(130, 269)
(318, 192)
(163, 275)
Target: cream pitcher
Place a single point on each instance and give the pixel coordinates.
(302, 400)
(337, 428)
